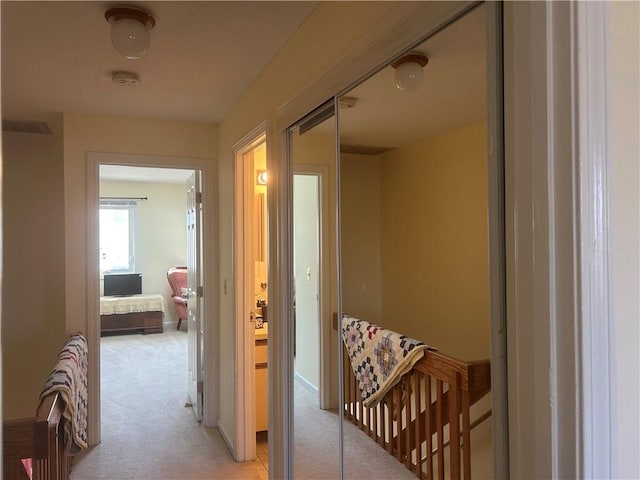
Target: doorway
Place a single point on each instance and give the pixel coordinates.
(306, 268)
(156, 278)
(148, 238)
(252, 299)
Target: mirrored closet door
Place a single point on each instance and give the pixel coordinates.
(390, 213)
(414, 271)
(316, 441)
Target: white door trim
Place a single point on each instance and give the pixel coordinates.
(326, 330)
(597, 451)
(561, 365)
(245, 414)
(209, 316)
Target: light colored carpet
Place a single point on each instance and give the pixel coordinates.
(317, 444)
(148, 433)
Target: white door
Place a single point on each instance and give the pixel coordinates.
(194, 286)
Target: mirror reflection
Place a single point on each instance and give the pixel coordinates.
(414, 263)
(316, 420)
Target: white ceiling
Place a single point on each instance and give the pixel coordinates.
(453, 93)
(57, 57)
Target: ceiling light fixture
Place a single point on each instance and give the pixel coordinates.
(409, 71)
(130, 30)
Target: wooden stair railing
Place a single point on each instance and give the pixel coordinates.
(37, 442)
(399, 423)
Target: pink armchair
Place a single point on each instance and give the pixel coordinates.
(177, 277)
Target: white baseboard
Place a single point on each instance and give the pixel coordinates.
(225, 437)
(170, 324)
(306, 384)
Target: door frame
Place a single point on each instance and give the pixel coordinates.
(244, 447)
(325, 393)
(209, 267)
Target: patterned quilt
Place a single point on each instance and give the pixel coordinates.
(379, 357)
(69, 379)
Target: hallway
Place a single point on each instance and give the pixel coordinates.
(147, 432)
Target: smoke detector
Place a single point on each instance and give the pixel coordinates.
(347, 102)
(126, 79)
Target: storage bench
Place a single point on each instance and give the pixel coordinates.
(133, 313)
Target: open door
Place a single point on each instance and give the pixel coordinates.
(195, 291)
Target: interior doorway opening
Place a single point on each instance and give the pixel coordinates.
(306, 275)
(145, 244)
(153, 257)
(252, 299)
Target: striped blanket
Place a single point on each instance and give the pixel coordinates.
(379, 357)
(69, 379)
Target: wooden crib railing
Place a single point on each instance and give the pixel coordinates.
(425, 416)
(36, 446)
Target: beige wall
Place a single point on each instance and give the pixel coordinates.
(160, 232)
(625, 222)
(33, 290)
(414, 249)
(435, 281)
(185, 143)
(85, 134)
(360, 240)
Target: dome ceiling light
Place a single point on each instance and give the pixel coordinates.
(130, 30)
(409, 73)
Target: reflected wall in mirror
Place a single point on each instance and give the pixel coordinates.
(259, 241)
(316, 422)
(414, 261)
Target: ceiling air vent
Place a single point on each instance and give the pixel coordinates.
(363, 149)
(26, 126)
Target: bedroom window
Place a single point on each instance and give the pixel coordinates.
(117, 236)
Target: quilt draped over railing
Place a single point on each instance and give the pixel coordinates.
(379, 357)
(69, 379)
